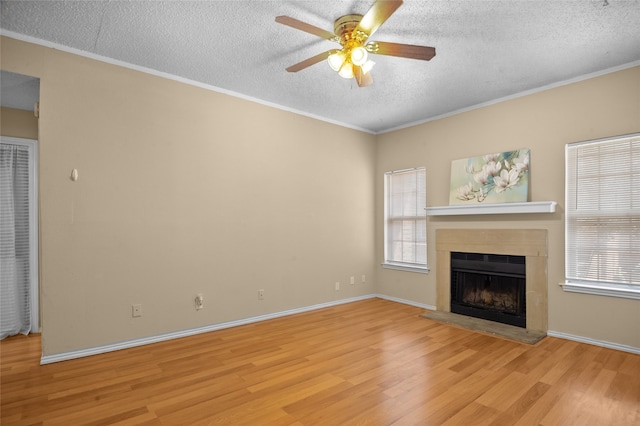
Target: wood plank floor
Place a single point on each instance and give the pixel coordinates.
(373, 362)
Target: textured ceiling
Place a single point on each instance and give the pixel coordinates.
(486, 50)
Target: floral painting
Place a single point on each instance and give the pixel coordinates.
(492, 178)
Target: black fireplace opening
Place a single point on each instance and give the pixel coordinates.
(489, 286)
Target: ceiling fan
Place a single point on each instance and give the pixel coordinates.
(353, 32)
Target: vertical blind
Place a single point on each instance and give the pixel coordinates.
(406, 224)
(603, 212)
(15, 238)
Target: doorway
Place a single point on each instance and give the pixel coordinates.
(19, 255)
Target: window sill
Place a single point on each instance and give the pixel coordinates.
(612, 290)
(400, 267)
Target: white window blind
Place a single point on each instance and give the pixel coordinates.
(603, 216)
(405, 219)
(18, 242)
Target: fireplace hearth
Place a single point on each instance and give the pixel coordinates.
(489, 286)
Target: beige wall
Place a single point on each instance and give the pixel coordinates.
(605, 106)
(184, 191)
(18, 124)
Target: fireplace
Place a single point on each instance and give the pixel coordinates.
(528, 243)
(489, 286)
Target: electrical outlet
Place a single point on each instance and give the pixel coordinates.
(199, 301)
(353, 280)
(261, 294)
(337, 286)
(136, 310)
(364, 278)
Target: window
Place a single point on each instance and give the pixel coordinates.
(603, 217)
(19, 242)
(405, 225)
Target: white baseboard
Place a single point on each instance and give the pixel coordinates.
(588, 340)
(64, 356)
(406, 302)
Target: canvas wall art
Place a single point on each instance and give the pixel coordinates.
(492, 178)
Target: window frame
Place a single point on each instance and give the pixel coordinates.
(584, 285)
(419, 267)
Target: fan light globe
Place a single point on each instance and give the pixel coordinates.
(346, 71)
(336, 59)
(359, 56)
(367, 66)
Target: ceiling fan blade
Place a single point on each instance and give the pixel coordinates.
(363, 79)
(424, 53)
(303, 26)
(308, 62)
(379, 12)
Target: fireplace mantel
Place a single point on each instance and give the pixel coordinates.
(501, 208)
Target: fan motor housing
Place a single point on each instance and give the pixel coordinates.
(344, 27)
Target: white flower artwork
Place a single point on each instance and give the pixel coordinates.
(491, 178)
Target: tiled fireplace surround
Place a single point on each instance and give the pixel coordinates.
(531, 243)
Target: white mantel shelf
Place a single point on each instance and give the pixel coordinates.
(502, 208)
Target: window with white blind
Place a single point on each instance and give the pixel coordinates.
(602, 242)
(405, 226)
(19, 237)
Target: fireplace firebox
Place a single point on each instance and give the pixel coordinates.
(489, 286)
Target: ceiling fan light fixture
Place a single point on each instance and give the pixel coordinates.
(352, 32)
(359, 56)
(336, 60)
(346, 70)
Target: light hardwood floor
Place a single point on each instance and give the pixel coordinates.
(372, 362)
